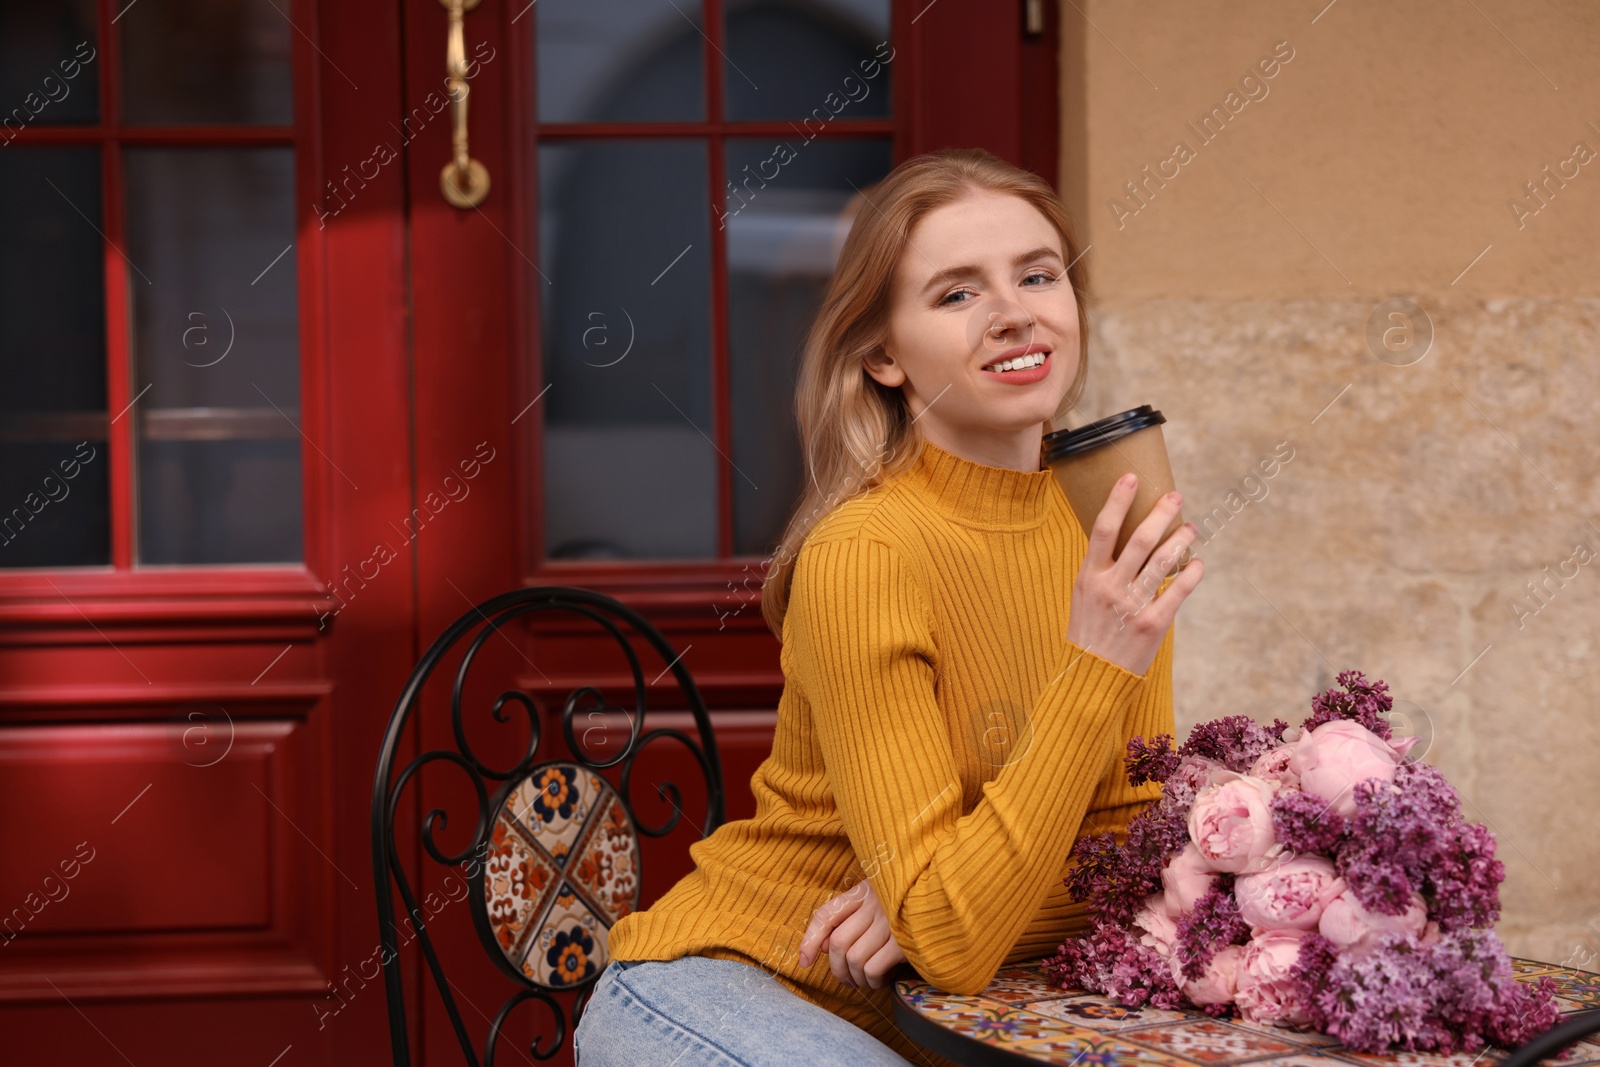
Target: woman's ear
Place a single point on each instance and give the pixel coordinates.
(884, 368)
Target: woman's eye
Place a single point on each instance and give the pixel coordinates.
(1042, 276)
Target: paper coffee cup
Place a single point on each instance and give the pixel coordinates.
(1089, 460)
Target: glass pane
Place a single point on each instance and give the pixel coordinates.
(783, 239)
(816, 59)
(49, 72)
(210, 234)
(620, 61)
(629, 465)
(187, 61)
(54, 497)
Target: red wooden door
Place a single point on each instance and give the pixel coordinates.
(204, 434)
(273, 413)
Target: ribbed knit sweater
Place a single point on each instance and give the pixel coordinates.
(937, 735)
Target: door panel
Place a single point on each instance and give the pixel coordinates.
(181, 883)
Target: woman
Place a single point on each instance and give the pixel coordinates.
(963, 665)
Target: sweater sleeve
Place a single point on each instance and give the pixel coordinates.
(1112, 807)
(957, 889)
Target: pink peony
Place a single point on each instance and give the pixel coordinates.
(1289, 895)
(1185, 879)
(1218, 984)
(1160, 929)
(1197, 772)
(1231, 825)
(1355, 931)
(1403, 745)
(1273, 766)
(1331, 759)
(1266, 992)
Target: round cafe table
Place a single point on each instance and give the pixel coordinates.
(1024, 1017)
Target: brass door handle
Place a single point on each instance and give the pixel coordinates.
(464, 181)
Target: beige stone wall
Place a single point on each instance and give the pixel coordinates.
(1381, 161)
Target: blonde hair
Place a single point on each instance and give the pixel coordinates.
(856, 433)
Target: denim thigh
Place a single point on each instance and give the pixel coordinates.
(700, 1012)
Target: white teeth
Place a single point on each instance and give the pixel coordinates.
(1020, 363)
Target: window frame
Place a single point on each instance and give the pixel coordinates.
(125, 590)
(1018, 120)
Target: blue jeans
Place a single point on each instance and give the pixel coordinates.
(696, 1011)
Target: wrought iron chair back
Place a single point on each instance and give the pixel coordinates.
(533, 820)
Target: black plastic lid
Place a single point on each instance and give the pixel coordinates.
(1064, 443)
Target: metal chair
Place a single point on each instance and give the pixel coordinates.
(553, 857)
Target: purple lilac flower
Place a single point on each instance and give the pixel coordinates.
(1113, 877)
(1158, 833)
(1362, 702)
(1110, 879)
(1210, 926)
(1463, 887)
(1457, 993)
(1306, 823)
(1153, 762)
(1236, 741)
(1111, 961)
(1310, 974)
(1406, 835)
(1380, 885)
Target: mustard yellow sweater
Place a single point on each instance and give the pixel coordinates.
(937, 735)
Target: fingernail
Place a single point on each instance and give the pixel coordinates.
(1126, 480)
(1176, 498)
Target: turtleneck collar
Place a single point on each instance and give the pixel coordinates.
(977, 494)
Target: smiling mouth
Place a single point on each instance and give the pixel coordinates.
(1032, 361)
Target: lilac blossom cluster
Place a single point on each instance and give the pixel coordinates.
(1311, 876)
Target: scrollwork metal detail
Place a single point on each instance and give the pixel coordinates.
(391, 788)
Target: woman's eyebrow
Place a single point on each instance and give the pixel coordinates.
(968, 269)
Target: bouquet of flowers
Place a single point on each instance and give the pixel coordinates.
(1304, 876)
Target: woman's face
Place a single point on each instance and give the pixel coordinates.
(981, 278)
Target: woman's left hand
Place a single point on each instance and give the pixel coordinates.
(852, 929)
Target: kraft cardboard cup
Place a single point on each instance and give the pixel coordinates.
(1089, 460)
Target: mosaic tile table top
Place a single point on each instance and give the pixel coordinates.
(1024, 1017)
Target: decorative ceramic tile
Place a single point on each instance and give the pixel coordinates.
(1579, 987)
(1297, 1035)
(1020, 985)
(1026, 1014)
(515, 879)
(563, 866)
(1054, 1042)
(1522, 968)
(571, 947)
(608, 863)
(1480, 1057)
(553, 801)
(1101, 1013)
(1212, 1042)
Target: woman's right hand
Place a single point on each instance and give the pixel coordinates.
(1116, 612)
